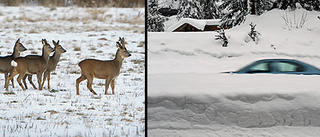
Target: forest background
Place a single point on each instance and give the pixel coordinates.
(81, 3)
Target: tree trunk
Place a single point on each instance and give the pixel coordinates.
(253, 7)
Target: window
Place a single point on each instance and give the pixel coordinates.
(289, 67)
(261, 67)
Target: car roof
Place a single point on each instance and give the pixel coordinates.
(279, 60)
(289, 60)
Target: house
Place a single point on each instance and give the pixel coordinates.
(191, 25)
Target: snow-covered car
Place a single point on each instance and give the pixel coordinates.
(279, 66)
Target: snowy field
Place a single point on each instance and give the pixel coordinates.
(84, 33)
(188, 96)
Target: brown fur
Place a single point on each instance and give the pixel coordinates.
(53, 61)
(5, 62)
(35, 65)
(109, 70)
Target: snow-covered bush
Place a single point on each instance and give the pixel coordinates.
(222, 36)
(292, 20)
(253, 34)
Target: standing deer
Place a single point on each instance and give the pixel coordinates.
(109, 69)
(35, 65)
(5, 62)
(53, 61)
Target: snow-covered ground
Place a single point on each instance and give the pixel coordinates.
(84, 33)
(188, 96)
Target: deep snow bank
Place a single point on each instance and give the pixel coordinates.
(195, 100)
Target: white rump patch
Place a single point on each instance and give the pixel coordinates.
(14, 64)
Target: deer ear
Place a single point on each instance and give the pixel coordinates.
(58, 41)
(118, 45)
(18, 41)
(53, 42)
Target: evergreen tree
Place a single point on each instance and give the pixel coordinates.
(310, 4)
(285, 4)
(237, 10)
(222, 36)
(190, 9)
(253, 34)
(258, 7)
(155, 21)
(211, 10)
(291, 4)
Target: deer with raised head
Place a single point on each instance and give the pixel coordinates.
(52, 64)
(108, 70)
(5, 62)
(33, 65)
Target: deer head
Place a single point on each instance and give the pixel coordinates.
(124, 53)
(19, 47)
(57, 47)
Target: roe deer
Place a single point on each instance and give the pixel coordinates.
(109, 69)
(35, 65)
(5, 62)
(53, 61)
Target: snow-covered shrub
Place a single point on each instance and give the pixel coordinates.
(253, 34)
(222, 36)
(292, 20)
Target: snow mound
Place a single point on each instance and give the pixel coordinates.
(242, 110)
(244, 100)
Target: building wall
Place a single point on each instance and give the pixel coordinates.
(189, 28)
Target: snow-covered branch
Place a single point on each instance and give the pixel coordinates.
(292, 21)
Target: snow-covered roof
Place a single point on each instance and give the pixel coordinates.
(199, 24)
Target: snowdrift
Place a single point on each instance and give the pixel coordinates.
(245, 100)
(188, 96)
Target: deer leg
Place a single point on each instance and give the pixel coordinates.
(21, 75)
(112, 86)
(48, 81)
(5, 79)
(39, 77)
(24, 81)
(44, 78)
(107, 85)
(80, 79)
(30, 81)
(12, 83)
(12, 74)
(89, 84)
(6, 76)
